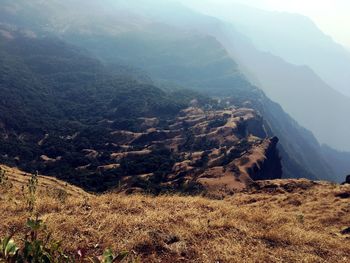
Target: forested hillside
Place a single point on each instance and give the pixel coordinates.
(172, 57)
(57, 101)
(169, 55)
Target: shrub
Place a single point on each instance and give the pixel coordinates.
(34, 249)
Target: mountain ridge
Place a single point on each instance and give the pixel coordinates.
(166, 58)
(296, 34)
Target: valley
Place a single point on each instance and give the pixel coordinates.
(149, 131)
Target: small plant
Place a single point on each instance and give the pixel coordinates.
(109, 257)
(8, 249)
(34, 250)
(31, 194)
(37, 250)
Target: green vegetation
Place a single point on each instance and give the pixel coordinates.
(57, 101)
(34, 250)
(44, 250)
(201, 63)
(31, 193)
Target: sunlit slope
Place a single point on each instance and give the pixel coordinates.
(283, 220)
(19, 180)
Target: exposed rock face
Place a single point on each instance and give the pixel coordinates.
(219, 151)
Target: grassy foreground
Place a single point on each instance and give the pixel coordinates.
(284, 221)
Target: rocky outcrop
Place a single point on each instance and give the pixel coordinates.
(268, 164)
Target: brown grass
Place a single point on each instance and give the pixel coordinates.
(302, 225)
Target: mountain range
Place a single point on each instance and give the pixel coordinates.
(104, 70)
(157, 131)
(293, 37)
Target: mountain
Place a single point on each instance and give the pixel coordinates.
(301, 93)
(297, 88)
(165, 51)
(338, 160)
(80, 121)
(165, 59)
(57, 102)
(292, 37)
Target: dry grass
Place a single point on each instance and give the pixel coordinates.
(303, 225)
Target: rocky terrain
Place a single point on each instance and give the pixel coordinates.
(271, 221)
(211, 150)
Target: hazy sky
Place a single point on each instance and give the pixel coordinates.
(332, 16)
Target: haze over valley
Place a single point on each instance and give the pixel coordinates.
(219, 112)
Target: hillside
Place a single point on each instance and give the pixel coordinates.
(299, 90)
(172, 57)
(57, 102)
(95, 124)
(294, 38)
(287, 73)
(200, 151)
(165, 59)
(282, 220)
(144, 131)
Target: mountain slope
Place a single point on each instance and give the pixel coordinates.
(301, 93)
(299, 90)
(294, 38)
(283, 220)
(193, 60)
(57, 102)
(103, 131)
(225, 80)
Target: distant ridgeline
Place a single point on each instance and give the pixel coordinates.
(201, 63)
(64, 97)
(66, 114)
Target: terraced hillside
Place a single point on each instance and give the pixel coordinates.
(199, 150)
